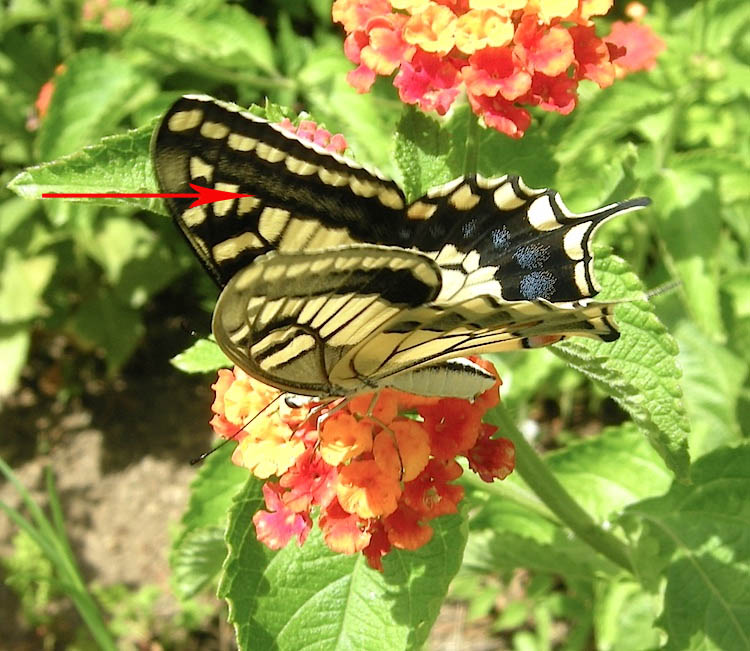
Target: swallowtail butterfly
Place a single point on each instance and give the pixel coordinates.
(332, 284)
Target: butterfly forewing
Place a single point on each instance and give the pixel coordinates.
(334, 285)
(304, 197)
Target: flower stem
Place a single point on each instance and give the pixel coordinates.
(551, 492)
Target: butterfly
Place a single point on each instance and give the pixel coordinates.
(333, 284)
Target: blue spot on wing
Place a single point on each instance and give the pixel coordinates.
(532, 256)
(538, 284)
(469, 228)
(500, 238)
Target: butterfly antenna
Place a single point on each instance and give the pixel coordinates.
(200, 458)
(664, 288)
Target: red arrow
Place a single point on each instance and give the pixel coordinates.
(202, 195)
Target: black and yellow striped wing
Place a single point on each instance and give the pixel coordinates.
(361, 317)
(333, 284)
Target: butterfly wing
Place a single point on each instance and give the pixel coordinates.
(305, 198)
(534, 246)
(433, 334)
(289, 319)
(309, 199)
(350, 320)
(491, 264)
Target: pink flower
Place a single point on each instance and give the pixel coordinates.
(507, 55)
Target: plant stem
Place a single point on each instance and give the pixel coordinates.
(551, 492)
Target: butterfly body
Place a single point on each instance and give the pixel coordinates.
(332, 284)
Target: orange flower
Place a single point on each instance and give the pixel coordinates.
(492, 458)
(504, 7)
(641, 45)
(412, 6)
(341, 530)
(453, 427)
(495, 71)
(277, 526)
(245, 397)
(548, 51)
(386, 455)
(413, 444)
(595, 7)
(365, 490)
(353, 14)
(271, 452)
(433, 30)
(310, 131)
(384, 409)
(342, 438)
(480, 28)
(430, 494)
(377, 474)
(551, 9)
(379, 546)
(406, 530)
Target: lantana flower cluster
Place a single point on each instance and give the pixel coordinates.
(506, 54)
(375, 468)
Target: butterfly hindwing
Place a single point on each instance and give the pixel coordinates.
(292, 318)
(535, 246)
(334, 322)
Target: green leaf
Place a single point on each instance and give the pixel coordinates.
(603, 474)
(14, 348)
(608, 472)
(117, 164)
(726, 21)
(696, 537)
(22, 283)
(91, 97)
(311, 598)
(712, 380)
(366, 121)
(136, 263)
(18, 217)
(531, 157)
(199, 550)
(689, 223)
(105, 323)
(737, 288)
(294, 50)
(624, 615)
(203, 356)
(197, 561)
(598, 180)
(429, 152)
(213, 490)
(609, 114)
(223, 36)
(639, 370)
(116, 242)
(423, 152)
